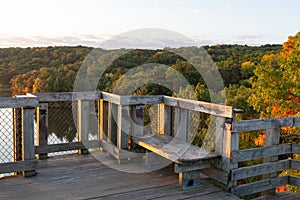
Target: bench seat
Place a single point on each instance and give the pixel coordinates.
(186, 156)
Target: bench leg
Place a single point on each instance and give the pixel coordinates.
(189, 180)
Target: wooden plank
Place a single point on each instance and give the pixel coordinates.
(18, 166)
(295, 164)
(42, 127)
(17, 134)
(260, 124)
(260, 169)
(297, 121)
(200, 106)
(218, 175)
(175, 150)
(138, 100)
(182, 125)
(28, 137)
(111, 149)
(123, 126)
(225, 143)
(295, 148)
(12, 102)
(272, 138)
(67, 96)
(186, 168)
(294, 180)
(260, 152)
(189, 180)
(83, 123)
(113, 120)
(67, 146)
(259, 186)
(166, 122)
(103, 118)
(137, 124)
(112, 98)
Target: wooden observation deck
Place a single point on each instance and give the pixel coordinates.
(128, 159)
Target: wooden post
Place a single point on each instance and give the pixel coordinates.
(182, 124)
(123, 127)
(28, 137)
(165, 122)
(42, 127)
(103, 120)
(17, 138)
(138, 122)
(113, 123)
(225, 142)
(272, 138)
(17, 130)
(83, 123)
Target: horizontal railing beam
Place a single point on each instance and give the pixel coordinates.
(261, 124)
(260, 186)
(20, 102)
(67, 146)
(67, 96)
(260, 152)
(260, 169)
(200, 106)
(18, 166)
(138, 100)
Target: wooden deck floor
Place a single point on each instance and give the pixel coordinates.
(84, 177)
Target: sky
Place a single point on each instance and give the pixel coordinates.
(29, 23)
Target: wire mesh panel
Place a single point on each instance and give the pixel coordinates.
(6, 137)
(62, 124)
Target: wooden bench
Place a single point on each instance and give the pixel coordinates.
(188, 159)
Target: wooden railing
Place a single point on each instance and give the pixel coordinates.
(120, 117)
(271, 165)
(24, 162)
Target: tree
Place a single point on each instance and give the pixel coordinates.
(276, 85)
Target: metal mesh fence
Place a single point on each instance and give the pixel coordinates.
(61, 124)
(6, 137)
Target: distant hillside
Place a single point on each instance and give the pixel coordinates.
(56, 67)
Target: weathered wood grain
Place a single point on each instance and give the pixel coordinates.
(260, 152)
(84, 177)
(294, 180)
(18, 166)
(67, 96)
(295, 148)
(28, 137)
(83, 123)
(42, 127)
(199, 106)
(112, 98)
(12, 102)
(260, 169)
(260, 124)
(175, 150)
(272, 138)
(259, 186)
(67, 146)
(138, 100)
(182, 124)
(295, 164)
(297, 121)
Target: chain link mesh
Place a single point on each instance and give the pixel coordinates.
(6, 137)
(61, 124)
(6, 133)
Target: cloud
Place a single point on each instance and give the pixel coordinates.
(41, 41)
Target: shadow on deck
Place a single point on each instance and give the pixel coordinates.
(84, 177)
